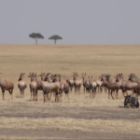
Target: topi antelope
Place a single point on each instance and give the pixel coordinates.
(71, 83)
(21, 84)
(77, 82)
(111, 84)
(51, 79)
(128, 85)
(35, 85)
(6, 85)
(64, 87)
(43, 76)
(91, 86)
(99, 84)
(48, 78)
(133, 78)
(85, 82)
(51, 87)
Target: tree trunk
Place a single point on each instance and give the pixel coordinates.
(36, 41)
(55, 41)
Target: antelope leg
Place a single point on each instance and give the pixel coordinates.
(112, 95)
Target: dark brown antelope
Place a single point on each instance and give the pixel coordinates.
(111, 80)
(6, 85)
(21, 84)
(111, 84)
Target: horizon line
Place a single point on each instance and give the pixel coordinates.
(62, 44)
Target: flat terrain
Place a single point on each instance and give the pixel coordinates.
(80, 117)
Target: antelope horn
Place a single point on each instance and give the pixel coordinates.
(48, 74)
(22, 74)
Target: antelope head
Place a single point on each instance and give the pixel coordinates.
(21, 76)
(43, 76)
(32, 76)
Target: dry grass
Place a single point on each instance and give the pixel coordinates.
(64, 59)
(93, 59)
(71, 124)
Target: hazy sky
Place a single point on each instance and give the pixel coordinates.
(77, 21)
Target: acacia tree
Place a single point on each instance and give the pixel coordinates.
(36, 36)
(55, 38)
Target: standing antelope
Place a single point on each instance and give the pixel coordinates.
(91, 86)
(71, 83)
(85, 81)
(128, 85)
(111, 80)
(35, 85)
(77, 82)
(134, 78)
(51, 79)
(48, 78)
(64, 87)
(51, 87)
(111, 84)
(99, 84)
(43, 76)
(6, 85)
(21, 84)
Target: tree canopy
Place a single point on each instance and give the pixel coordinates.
(36, 36)
(55, 38)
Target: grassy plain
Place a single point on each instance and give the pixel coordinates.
(79, 117)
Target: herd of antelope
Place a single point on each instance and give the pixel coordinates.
(56, 85)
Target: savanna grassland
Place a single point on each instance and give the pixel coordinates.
(80, 117)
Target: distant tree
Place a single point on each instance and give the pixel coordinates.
(36, 36)
(55, 38)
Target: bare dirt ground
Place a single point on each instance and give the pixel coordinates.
(80, 117)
